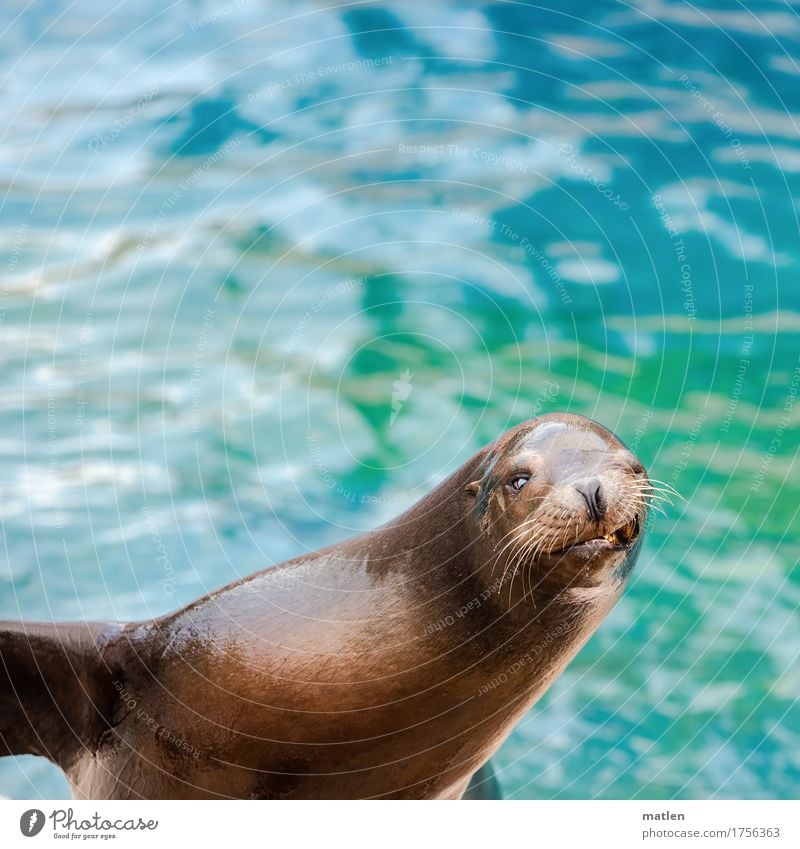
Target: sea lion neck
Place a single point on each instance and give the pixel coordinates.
(440, 528)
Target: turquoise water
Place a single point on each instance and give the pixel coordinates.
(270, 271)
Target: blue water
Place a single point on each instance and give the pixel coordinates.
(232, 232)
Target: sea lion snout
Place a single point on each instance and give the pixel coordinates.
(608, 503)
(593, 494)
(562, 488)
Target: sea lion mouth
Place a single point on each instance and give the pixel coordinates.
(624, 534)
(621, 537)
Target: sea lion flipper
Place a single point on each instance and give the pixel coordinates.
(483, 785)
(56, 691)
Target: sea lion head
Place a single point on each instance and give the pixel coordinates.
(561, 504)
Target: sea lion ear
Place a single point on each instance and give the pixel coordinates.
(473, 488)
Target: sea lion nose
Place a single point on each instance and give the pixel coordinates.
(592, 491)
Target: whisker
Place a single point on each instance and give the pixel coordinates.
(517, 532)
(640, 508)
(518, 535)
(668, 487)
(654, 493)
(511, 559)
(648, 487)
(530, 520)
(519, 560)
(524, 549)
(649, 493)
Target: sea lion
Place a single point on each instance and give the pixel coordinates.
(391, 665)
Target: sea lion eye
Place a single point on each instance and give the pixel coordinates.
(518, 481)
